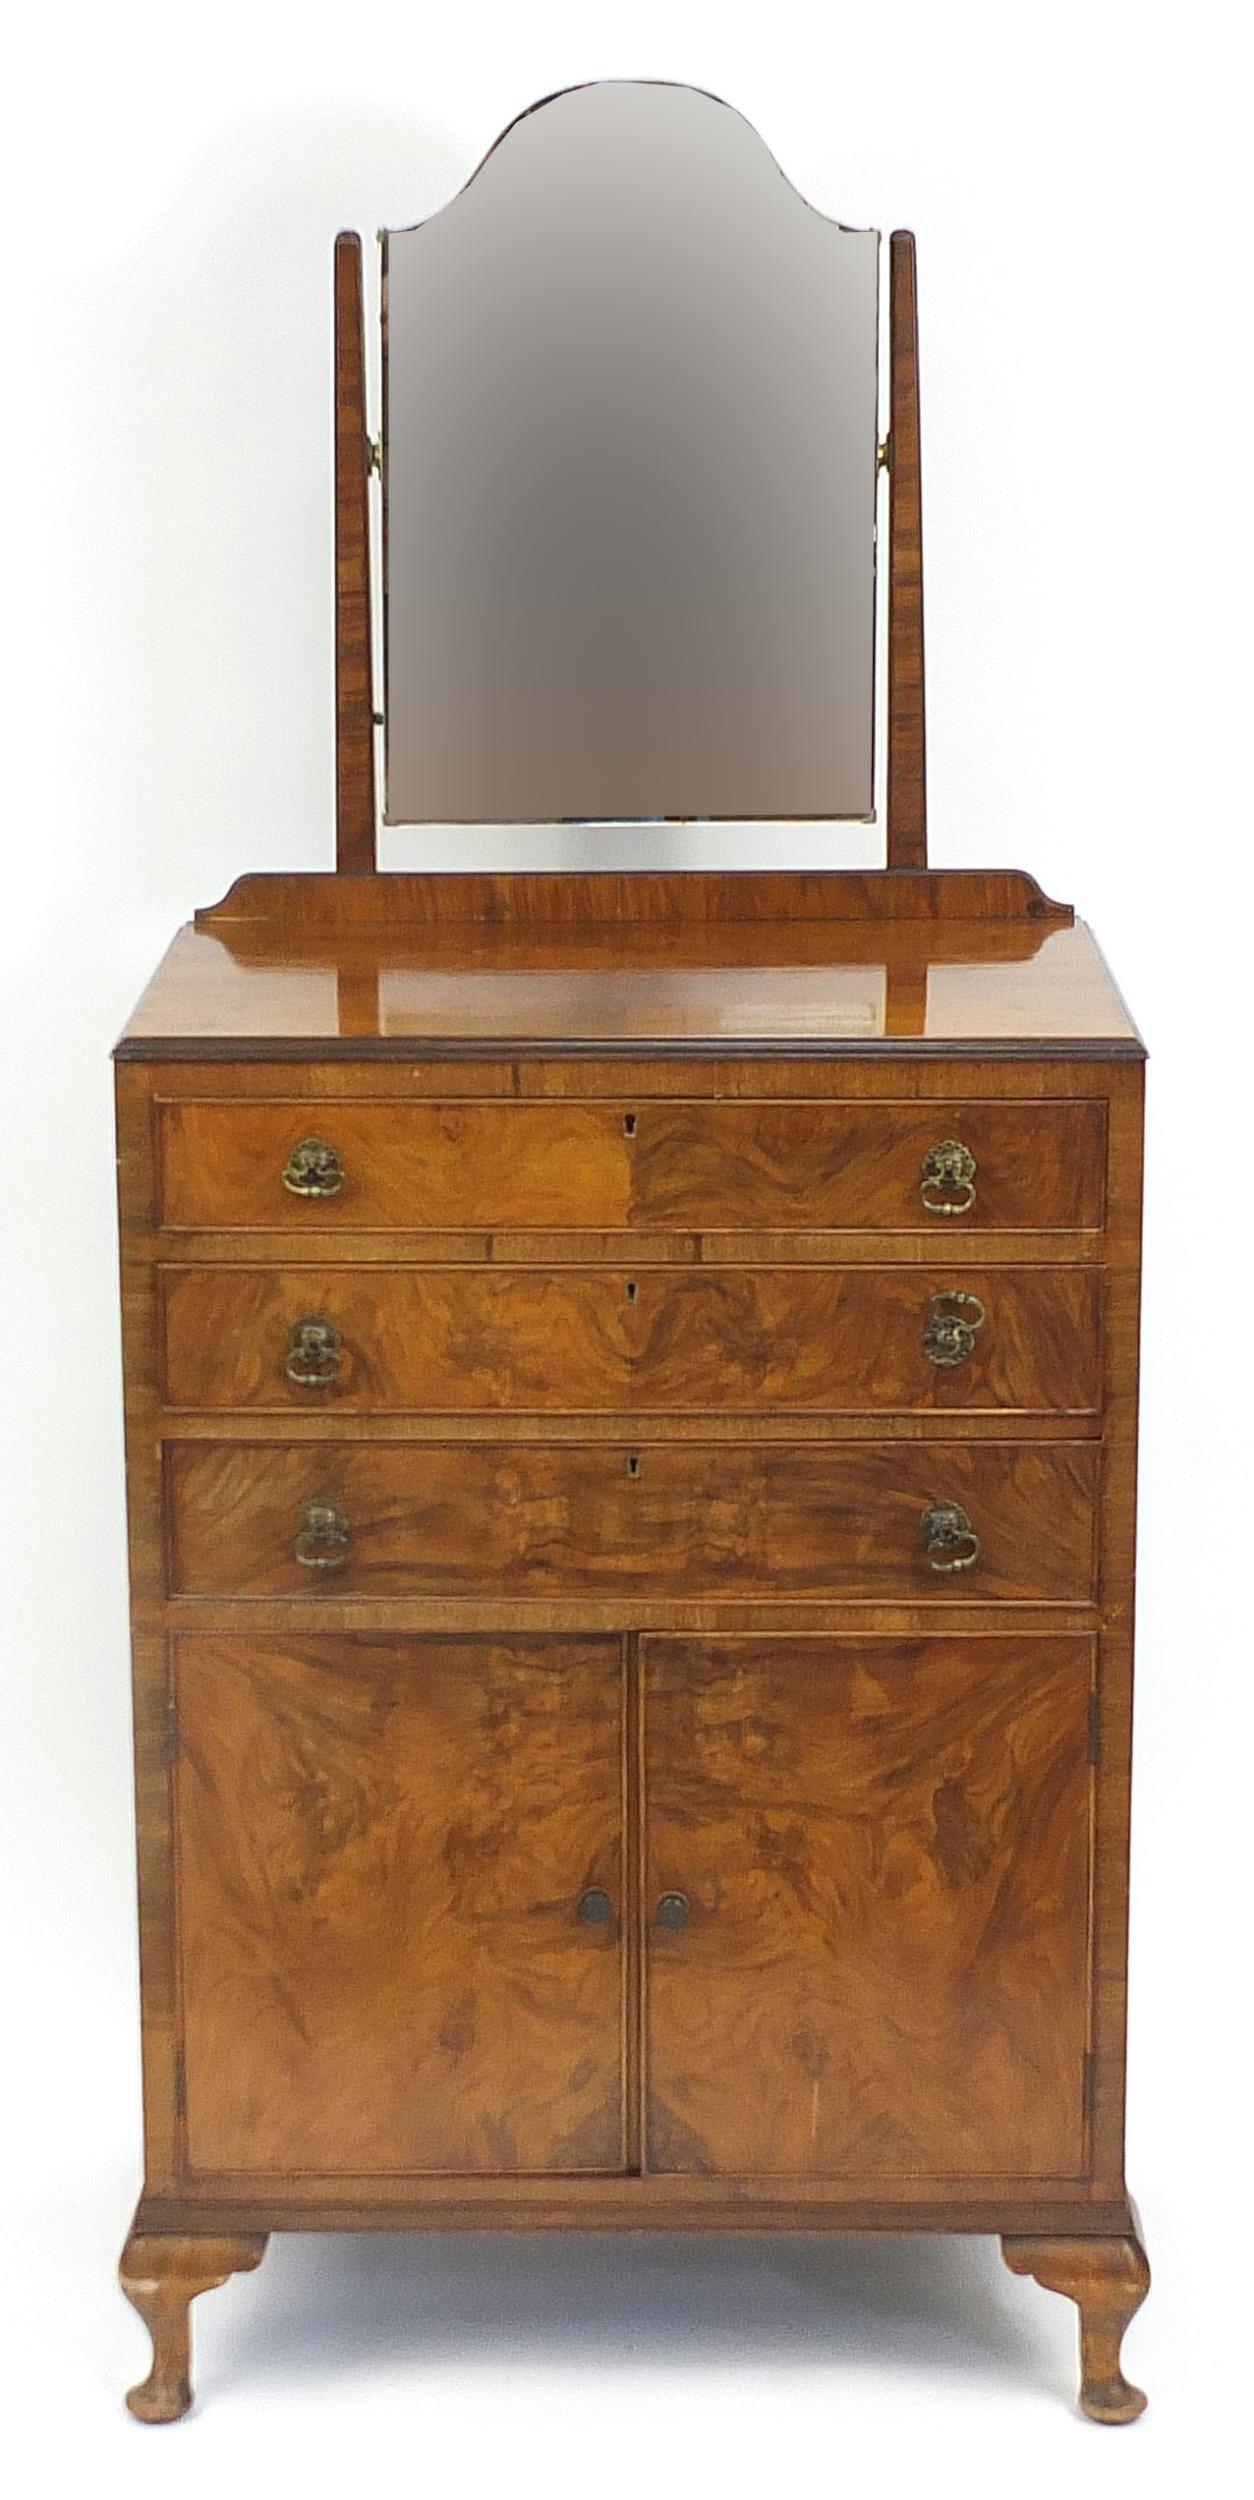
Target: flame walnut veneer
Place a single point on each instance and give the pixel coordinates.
(684, 1520)
(886, 1848)
(349, 1813)
(616, 1818)
(709, 1165)
(478, 1340)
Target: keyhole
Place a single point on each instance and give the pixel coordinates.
(633, 1463)
(632, 1290)
(629, 1124)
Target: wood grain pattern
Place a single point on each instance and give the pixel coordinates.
(1049, 1000)
(381, 1852)
(717, 1164)
(161, 2274)
(634, 1162)
(886, 1852)
(731, 1164)
(1108, 2280)
(340, 972)
(673, 2201)
(295, 909)
(1117, 1587)
(688, 1520)
(467, 1340)
(907, 733)
(1033, 1073)
(354, 695)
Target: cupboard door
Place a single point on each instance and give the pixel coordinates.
(882, 1849)
(384, 1855)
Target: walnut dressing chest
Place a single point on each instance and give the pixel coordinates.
(631, 1409)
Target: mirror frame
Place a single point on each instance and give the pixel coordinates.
(356, 457)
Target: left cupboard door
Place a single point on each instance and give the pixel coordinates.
(399, 1869)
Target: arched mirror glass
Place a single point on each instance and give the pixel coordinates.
(630, 435)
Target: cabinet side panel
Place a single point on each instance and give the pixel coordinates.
(1116, 1599)
(151, 1693)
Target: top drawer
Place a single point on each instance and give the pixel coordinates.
(423, 1166)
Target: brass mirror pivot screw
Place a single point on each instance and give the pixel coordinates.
(313, 1170)
(673, 1910)
(947, 1181)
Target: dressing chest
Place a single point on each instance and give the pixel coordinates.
(631, 1412)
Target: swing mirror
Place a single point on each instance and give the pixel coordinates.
(629, 456)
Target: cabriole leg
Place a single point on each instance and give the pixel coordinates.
(161, 2275)
(1107, 2280)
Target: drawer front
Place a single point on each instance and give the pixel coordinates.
(694, 1520)
(419, 1167)
(579, 1341)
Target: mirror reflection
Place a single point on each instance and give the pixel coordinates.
(630, 438)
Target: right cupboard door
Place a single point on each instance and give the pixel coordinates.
(867, 1906)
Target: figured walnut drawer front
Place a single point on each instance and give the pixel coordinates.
(674, 1521)
(424, 1166)
(604, 1340)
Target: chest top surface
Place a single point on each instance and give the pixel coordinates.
(411, 966)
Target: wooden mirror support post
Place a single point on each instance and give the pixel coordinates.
(631, 1406)
(355, 805)
(907, 724)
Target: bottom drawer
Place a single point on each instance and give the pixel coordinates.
(864, 1521)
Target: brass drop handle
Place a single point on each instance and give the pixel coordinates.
(322, 1537)
(950, 1539)
(673, 1910)
(947, 1182)
(313, 1170)
(313, 1354)
(953, 1319)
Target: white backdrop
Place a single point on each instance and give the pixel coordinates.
(173, 181)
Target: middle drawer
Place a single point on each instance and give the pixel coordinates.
(864, 1521)
(573, 1341)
